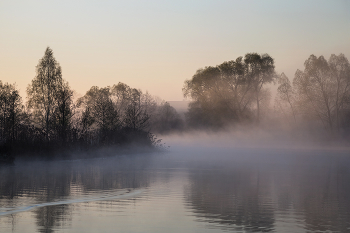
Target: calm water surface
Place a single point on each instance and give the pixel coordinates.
(195, 190)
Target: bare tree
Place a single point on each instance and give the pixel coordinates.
(323, 89)
(285, 97)
(340, 69)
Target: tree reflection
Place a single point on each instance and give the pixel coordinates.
(237, 199)
(311, 190)
(49, 217)
(324, 194)
(49, 182)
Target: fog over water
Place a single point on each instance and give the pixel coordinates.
(205, 182)
(173, 116)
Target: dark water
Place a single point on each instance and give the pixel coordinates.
(207, 189)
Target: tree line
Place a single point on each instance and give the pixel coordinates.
(237, 92)
(320, 93)
(234, 92)
(53, 121)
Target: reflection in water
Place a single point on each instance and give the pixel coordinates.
(324, 193)
(52, 216)
(52, 187)
(239, 191)
(238, 199)
(310, 192)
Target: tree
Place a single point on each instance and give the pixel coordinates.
(323, 89)
(99, 112)
(64, 111)
(260, 69)
(11, 109)
(340, 68)
(48, 95)
(285, 98)
(224, 94)
(136, 117)
(211, 104)
(233, 74)
(121, 96)
(166, 119)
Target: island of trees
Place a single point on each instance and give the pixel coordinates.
(53, 121)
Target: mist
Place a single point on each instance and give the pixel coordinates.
(174, 116)
(236, 158)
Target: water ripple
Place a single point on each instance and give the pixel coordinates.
(124, 194)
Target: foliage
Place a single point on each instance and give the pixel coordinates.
(225, 93)
(49, 98)
(110, 116)
(11, 109)
(232, 92)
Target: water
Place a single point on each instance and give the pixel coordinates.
(198, 189)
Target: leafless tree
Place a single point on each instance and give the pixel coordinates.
(323, 89)
(285, 98)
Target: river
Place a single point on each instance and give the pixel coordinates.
(187, 189)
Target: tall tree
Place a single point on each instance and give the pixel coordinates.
(260, 70)
(45, 95)
(234, 77)
(64, 111)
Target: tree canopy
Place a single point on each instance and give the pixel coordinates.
(225, 93)
(49, 97)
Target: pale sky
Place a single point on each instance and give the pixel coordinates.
(157, 45)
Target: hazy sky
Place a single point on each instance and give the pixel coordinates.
(156, 45)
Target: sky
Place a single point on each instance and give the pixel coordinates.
(156, 45)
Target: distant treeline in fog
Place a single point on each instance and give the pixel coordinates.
(52, 121)
(236, 92)
(233, 93)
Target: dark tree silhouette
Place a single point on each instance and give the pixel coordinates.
(99, 114)
(136, 118)
(11, 109)
(49, 97)
(53, 124)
